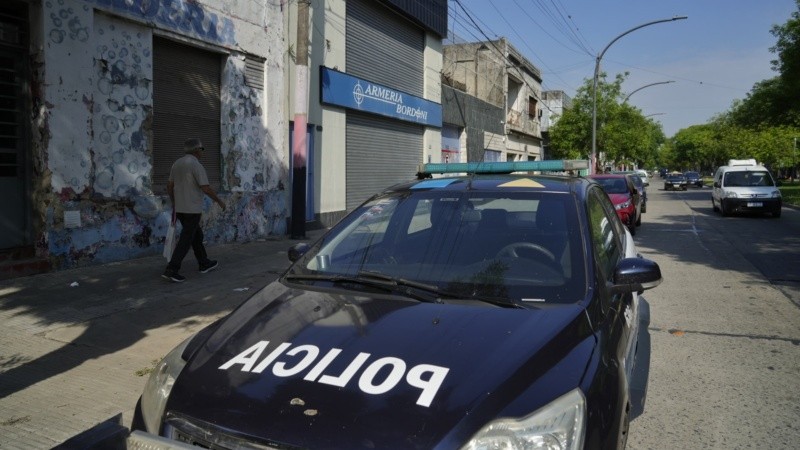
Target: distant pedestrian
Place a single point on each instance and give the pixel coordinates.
(188, 183)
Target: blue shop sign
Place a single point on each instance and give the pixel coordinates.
(344, 90)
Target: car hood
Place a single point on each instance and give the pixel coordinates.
(322, 369)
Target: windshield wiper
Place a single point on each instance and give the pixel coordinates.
(382, 281)
(435, 290)
(410, 288)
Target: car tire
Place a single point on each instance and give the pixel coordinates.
(639, 220)
(722, 209)
(644, 208)
(714, 204)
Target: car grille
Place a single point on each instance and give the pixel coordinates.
(205, 435)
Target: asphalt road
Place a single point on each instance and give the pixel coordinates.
(719, 355)
(723, 333)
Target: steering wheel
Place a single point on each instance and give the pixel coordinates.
(512, 250)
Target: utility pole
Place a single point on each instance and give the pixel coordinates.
(299, 151)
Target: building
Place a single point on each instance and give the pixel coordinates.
(374, 111)
(98, 97)
(555, 102)
(496, 73)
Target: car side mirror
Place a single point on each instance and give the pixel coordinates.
(716, 184)
(635, 275)
(297, 251)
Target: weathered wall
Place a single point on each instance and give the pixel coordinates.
(92, 115)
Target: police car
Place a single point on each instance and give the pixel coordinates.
(488, 309)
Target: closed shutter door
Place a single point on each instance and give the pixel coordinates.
(384, 48)
(186, 104)
(380, 152)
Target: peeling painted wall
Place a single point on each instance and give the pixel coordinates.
(93, 111)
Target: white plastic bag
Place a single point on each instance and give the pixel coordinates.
(171, 241)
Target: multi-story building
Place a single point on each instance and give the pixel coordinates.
(555, 102)
(374, 111)
(97, 99)
(499, 75)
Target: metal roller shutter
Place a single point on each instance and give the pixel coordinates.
(380, 152)
(186, 103)
(384, 48)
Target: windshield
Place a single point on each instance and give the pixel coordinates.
(522, 248)
(613, 185)
(748, 178)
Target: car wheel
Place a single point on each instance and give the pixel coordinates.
(638, 220)
(644, 208)
(722, 209)
(714, 204)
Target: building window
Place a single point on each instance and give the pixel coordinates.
(532, 107)
(186, 104)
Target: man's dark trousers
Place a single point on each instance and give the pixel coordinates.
(191, 237)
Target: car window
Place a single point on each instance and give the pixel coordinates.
(613, 185)
(748, 178)
(605, 233)
(521, 246)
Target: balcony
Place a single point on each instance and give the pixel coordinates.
(521, 122)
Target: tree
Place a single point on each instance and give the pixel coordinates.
(776, 101)
(624, 135)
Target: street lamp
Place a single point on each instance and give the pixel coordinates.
(655, 114)
(594, 85)
(646, 86)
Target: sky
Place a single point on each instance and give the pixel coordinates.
(710, 59)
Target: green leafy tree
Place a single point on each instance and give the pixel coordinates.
(776, 101)
(624, 135)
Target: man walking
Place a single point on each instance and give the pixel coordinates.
(188, 183)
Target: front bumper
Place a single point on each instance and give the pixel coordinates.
(742, 205)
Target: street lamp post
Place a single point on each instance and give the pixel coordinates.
(646, 86)
(593, 158)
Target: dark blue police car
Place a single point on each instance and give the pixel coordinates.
(486, 310)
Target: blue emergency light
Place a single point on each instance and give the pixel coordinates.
(551, 165)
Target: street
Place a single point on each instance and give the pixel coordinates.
(721, 350)
(724, 327)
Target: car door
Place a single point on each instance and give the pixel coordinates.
(611, 244)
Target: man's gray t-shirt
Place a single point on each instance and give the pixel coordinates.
(188, 175)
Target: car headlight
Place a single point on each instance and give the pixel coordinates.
(159, 385)
(776, 194)
(731, 194)
(558, 425)
(623, 205)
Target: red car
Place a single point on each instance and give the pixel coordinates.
(625, 197)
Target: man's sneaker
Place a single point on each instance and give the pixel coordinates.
(208, 267)
(175, 277)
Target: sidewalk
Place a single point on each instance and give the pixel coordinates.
(76, 346)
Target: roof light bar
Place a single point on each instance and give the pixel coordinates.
(550, 165)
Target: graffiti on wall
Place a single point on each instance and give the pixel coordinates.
(187, 17)
(99, 109)
(122, 108)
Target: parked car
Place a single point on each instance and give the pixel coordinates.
(642, 188)
(645, 176)
(693, 179)
(675, 181)
(625, 196)
(453, 312)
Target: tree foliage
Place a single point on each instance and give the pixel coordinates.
(765, 125)
(624, 135)
(776, 101)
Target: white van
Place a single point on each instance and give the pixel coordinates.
(745, 186)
